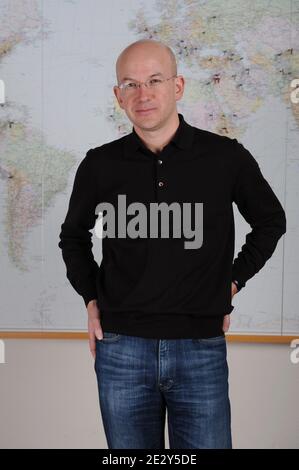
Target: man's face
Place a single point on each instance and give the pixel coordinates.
(160, 101)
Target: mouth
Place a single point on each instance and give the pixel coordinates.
(145, 111)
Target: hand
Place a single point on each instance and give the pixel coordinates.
(94, 325)
(226, 318)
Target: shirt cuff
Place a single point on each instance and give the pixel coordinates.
(238, 284)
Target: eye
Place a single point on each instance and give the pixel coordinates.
(155, 81)
(131, 85)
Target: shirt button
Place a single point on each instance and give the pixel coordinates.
(161, 183)
(160, 162)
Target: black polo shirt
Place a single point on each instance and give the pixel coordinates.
(155, 287)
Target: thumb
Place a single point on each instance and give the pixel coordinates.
(226, 322)
(98, 332)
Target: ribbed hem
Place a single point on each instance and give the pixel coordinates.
(162, 326)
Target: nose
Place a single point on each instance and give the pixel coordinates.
(143, 95)
(143, 90)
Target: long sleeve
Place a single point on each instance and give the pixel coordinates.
(75, 237)
(262, 210)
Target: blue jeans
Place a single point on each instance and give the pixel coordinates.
(139, 378)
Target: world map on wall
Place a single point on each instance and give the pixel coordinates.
(57, 65)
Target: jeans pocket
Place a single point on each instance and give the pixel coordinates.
(212, 340)
(109, 337)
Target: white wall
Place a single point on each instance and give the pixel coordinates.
(49, 396)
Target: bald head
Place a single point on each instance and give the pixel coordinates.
(140, 51)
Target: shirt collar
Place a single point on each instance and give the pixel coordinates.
(182, 139)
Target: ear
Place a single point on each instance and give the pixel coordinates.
(117, 94)
(180, 86)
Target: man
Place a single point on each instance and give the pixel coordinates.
(157, 310)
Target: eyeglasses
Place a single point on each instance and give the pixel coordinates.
(131, 87)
